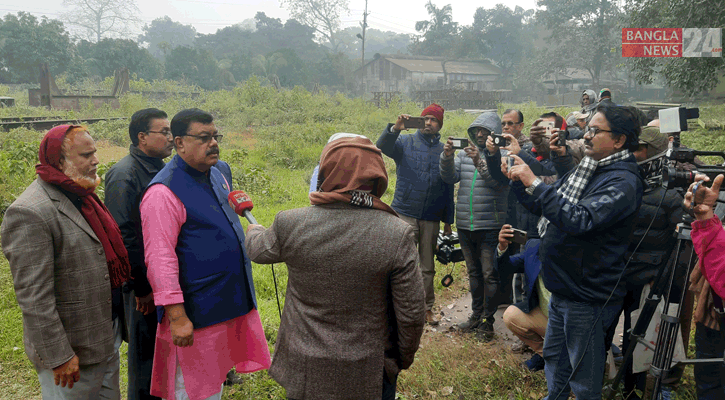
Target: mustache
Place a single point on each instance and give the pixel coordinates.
(213, 150)
(587, 142)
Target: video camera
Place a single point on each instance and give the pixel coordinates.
(673, 121)
(447, 251)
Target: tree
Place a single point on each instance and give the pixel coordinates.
(26, 42)
(499, 34)
(322, 15)
(193, 65)
(690, 75)
(163, 34)
(103, 18)
(438, 35)
(589, 26)
(109, 55)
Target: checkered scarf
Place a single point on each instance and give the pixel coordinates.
(574, 186)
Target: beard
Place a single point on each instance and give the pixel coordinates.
(89, 181)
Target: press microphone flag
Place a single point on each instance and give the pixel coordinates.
(241, 203)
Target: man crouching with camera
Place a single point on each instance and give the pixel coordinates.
(708, 238)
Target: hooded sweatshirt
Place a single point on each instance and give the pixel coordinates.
(482, 200)
(592, 103)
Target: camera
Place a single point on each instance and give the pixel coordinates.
(674, 178)
(563, 135)
(459, 143)
(447, 251)
(498, 140)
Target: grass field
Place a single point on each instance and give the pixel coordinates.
(272, 141)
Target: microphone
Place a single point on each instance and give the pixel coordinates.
(242, 205)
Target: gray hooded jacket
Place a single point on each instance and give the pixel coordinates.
(482, 200)
(592, 103)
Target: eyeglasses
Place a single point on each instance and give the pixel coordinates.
(509, 123)
(165, 132)
(207, 138)
(593, 130)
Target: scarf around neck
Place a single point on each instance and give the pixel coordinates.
(92, 209)
(578, 180)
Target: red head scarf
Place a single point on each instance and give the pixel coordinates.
(94, 212)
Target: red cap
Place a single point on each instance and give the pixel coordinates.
(434, 110)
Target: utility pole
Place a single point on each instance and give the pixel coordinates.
(362, 60)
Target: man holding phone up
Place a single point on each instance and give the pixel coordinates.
(421, 198)
(480, 213)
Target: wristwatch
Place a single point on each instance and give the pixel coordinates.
(530, 189)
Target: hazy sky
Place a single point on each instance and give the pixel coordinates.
(209, 15)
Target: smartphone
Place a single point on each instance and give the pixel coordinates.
(499, 140)
(459, 143)
(548, 125)
(511, 162)
(414, 122)
(519, 236)
(562, 138)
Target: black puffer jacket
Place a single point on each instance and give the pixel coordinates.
(659, 243)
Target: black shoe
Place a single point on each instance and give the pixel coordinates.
(484, 332)
(535, 363)
(474, 321)
(233, 378)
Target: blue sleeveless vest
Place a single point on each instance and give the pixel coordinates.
(215, 273)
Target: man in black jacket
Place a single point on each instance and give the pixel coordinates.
(587, 217)
(126, 182)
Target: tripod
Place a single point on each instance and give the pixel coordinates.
(669, 325)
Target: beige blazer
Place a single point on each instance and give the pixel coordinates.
(355, 302)
(60, 277)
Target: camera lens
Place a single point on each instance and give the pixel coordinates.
(674, 178)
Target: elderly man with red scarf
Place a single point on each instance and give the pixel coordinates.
(355, 308)
(68, 263)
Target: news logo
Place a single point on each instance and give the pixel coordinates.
(671, 42)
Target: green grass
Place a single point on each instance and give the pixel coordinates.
(273, 141)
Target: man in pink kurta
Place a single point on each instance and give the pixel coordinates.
(191, 361)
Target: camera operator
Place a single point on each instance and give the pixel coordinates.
(588, 215)
(654, 226)
(708, 238)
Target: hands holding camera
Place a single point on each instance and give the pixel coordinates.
(701, 199)
(400, 123)
(519, 171)
(505, 237)
(554, 143)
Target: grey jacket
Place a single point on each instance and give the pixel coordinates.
(482, 200)
(355, 304)
(60, 276)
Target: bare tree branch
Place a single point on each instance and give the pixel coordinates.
(103, 18)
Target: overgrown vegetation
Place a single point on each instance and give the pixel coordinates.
(272, 141)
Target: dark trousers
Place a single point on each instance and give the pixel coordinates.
(141, 342)
(478, 249)
(709, 377)
(388, 388)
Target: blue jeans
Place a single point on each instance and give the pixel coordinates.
(568, 342)
(709, 377)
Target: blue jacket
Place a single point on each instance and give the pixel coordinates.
(582, 252)
(419, 190)
(215, 273)
(527, 261)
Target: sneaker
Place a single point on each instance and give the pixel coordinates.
(484, 332)
(430, 318)
(535, 363)
(520, 348)
(474, 321)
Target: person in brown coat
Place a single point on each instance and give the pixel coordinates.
(355, 308)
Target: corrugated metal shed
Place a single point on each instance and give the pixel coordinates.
(452, 67)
